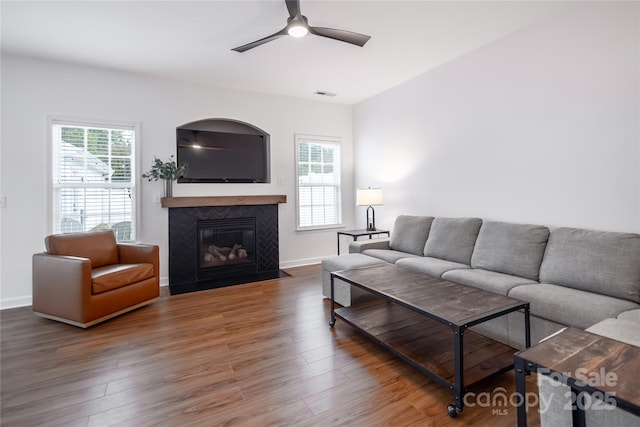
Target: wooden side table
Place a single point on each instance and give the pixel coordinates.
(359, 233)
(571, 356)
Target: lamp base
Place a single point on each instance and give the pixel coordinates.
(371, 219)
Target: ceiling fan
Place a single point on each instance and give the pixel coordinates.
(298, 26)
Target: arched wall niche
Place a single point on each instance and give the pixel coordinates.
(236, 152)
(223, 125)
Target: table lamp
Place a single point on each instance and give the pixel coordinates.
(369, 197)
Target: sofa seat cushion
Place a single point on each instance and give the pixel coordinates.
(430, 266)
(410, 233)
(623, 330)
(508, 248)
(498, 283)
(388, 255)
(606, 263)
(344, 293)
(633, 315)
(348, 262)
(115, 276)
(359, 246)
(452, 239)
(571, 307)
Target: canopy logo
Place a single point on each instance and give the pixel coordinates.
(500, 401)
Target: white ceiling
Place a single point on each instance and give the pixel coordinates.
(192, 40)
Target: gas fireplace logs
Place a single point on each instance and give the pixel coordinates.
(216, 253)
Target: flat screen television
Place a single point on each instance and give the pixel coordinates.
(218, 156)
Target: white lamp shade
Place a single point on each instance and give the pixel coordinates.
(368, 196)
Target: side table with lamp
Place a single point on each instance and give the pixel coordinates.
(366, 197)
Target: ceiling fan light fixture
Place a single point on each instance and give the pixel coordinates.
(298, 26)
(297, 30)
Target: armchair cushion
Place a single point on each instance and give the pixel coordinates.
(101, 248)
(115, 276)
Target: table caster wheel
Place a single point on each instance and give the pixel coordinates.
(453, 411)
(332, 323)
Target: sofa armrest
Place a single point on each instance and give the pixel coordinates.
(61, 285)
(361, 245)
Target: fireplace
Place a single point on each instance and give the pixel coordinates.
(226, 246)
(214, 246)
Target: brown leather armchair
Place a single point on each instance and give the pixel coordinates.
(86, 278)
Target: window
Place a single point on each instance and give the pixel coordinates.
(318, 182)
(93, 178)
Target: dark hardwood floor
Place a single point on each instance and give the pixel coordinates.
(248, 355)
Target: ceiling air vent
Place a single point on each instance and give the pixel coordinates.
(324, 93)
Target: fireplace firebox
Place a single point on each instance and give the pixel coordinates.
(226, 246)
(215, 246)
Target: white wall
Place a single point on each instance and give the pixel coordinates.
(33, 89)
(541, 127)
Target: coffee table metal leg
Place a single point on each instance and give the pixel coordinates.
(527, 326)
(332, 322)
(458, 389)
(521, 385)
(577, 414)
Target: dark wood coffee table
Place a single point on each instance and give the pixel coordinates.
(416, 316)
(575, 355)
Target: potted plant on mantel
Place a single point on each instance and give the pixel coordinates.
(168, 171)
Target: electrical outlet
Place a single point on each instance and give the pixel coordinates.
(3, 201)
(156, 197)
(280, 180)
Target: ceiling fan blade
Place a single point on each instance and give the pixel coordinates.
(256, 43)
(342, 35)
(293, 6)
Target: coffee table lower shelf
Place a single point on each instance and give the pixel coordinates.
(428, 345)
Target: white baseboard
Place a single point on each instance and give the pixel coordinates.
(301, 262)
(24, 301)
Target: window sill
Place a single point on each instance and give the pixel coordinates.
(321, 228)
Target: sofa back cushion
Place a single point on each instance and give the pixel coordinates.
(410, 233)
(99, 246)
(452, 239)
(607, 263)
(515, 249)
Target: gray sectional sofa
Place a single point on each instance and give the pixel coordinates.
(570, 277)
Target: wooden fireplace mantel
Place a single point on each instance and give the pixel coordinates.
(190, 202)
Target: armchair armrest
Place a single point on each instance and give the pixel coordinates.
(133, 253)
(61, 285)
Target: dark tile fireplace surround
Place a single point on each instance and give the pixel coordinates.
(222, 241)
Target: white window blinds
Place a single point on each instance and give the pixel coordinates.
(93, 179)
(318, 182)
